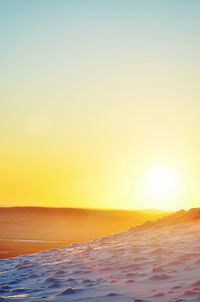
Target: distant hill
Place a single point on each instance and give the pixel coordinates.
(62, 225)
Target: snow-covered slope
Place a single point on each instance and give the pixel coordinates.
(157, 261)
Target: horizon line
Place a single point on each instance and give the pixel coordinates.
(95, 209)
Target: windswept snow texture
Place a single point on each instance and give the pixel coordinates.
(157, 261)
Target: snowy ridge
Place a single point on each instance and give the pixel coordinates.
(156, 261)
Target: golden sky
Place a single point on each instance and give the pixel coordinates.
(96, 96)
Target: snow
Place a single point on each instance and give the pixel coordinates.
(157, 261)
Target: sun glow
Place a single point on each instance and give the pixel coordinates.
(161, 187)
(161, 181)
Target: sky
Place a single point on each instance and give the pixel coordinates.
(95, 96)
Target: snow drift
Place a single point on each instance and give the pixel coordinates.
(156, 261)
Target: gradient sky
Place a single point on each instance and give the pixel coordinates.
(94, 94)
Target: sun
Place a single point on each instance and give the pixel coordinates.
(160, 188)
(162, 181)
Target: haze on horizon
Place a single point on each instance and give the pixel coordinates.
(100, 102)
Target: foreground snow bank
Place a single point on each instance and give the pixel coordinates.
(157, 261)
